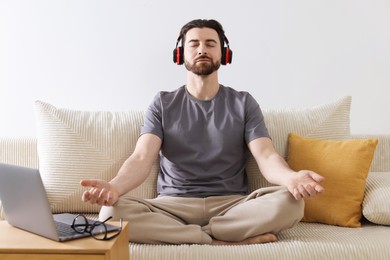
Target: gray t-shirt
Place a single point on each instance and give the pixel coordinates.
(204, 143)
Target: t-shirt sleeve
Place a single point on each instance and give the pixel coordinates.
(254, 121)
(153, 119)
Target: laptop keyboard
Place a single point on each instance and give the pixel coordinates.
(64, 229)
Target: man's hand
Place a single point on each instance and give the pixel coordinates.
(101, 192)
(305, 184)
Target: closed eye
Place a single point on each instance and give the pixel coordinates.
(211, 43)
(196, 43)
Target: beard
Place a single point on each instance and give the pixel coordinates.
(203, 68)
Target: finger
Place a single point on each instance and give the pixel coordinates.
(316, 177)
(319, 188)
(310, 190)
(94, 195)
(302, 190)
(110, 199)
(102, 198)
(89, 183)
(85, 197)
(297, 195)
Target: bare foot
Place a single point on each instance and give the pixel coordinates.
(265, 238)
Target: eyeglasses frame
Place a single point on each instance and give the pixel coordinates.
(89, 227)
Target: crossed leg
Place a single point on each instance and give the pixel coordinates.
(251, 219)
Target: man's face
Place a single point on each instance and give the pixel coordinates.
(202, 51)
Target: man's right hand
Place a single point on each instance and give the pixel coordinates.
(101, 192)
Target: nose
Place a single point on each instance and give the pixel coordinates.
(202, 49)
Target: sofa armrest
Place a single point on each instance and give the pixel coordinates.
(381, 161)
(19, 151)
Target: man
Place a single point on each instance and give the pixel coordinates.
(203, 131)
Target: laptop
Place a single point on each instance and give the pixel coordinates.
(27, 207)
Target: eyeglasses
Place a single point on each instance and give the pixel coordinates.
(97, 230)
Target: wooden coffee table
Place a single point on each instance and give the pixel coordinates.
(18, 244)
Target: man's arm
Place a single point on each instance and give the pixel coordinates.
(302, 184)
(133, 172)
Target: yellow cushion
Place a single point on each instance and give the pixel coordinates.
(345, 165)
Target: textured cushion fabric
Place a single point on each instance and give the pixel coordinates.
(381, 162)
(326, 121)
(306, 241)
(376, 203)
(18, 151)
(75, 145)
(345, 165)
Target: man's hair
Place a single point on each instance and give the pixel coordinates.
(203, 23)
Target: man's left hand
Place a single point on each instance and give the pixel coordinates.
(305, 184)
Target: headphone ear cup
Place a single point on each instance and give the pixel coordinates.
(230, 55)
(223, 58)
(227, 55)
(178, 55)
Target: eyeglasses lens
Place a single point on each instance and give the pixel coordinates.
(80, 224)
(99, 230)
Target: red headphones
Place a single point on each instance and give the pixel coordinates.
(178, 52)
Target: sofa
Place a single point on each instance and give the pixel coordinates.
(350, 220)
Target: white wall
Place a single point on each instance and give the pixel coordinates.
(116, 54)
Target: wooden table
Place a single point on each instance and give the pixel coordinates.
(18, 244)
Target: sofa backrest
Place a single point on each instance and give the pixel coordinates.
(72, 145)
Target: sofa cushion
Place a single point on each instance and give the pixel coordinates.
(73, 145)
(305, 241)
(345, 165)
(376, 204)
(325, 121)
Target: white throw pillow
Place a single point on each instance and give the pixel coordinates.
(327, 121)
(376, 204)
(75, 145)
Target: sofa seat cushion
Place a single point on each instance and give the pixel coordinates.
(304, 241)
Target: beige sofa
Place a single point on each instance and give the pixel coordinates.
(71, 145)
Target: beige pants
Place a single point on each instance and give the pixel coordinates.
(180, 220)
